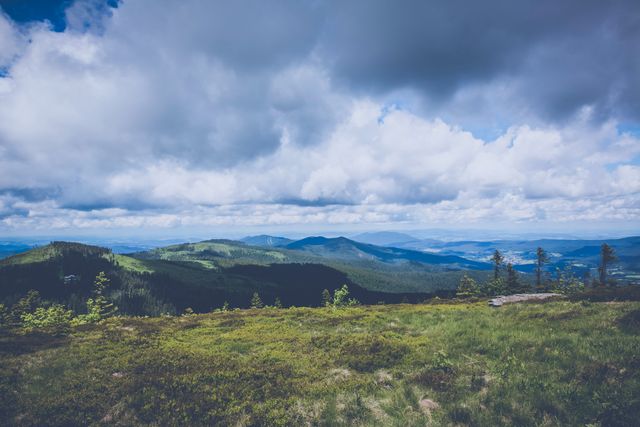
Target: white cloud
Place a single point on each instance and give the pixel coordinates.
(133, 124)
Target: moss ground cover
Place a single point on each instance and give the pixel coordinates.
(558, 363)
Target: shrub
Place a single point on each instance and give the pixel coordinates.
(341, 298)
(55, 319)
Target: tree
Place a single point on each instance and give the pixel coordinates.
(27, 304)
(541, 260)
(3, 315)
(566, 282)
(495, 287)
(326, 298)
(277, 303)
(497, 259)
(513, 283)
(101, 283)
(468, 287)
(341, 297)
(98, 307)
(256, 302)
(607, 256)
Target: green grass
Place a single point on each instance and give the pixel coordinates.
(554, 364)
(133, 264)
(34, 255)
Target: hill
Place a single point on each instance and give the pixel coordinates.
(346, 249)
(384, 238)
(201, 276)
(264, 240)
(371, 267)
(557, 364)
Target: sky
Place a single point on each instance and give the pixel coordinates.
(170, 116)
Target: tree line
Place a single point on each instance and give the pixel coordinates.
(507, 281)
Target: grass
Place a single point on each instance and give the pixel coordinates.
(554, 364)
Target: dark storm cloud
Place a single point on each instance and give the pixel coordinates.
(563, 55)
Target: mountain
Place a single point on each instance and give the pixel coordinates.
(347, 249)
(203, 276)
(265, 240)
(384, 238)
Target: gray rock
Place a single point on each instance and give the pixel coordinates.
(502, 299)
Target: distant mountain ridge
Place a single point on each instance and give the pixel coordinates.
(343, 248)
(384, 238)
(266, 240)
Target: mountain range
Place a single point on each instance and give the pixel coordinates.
(203, 275)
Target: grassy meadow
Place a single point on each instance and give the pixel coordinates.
(554, 364)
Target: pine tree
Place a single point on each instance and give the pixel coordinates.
(99, 307)
(326, 298)
(513, 283)
(27, 304)
(497, 259)
(541, 260)
(277, 303)
(256, 302)
(607, 256)
(468, 287)
(495, 287)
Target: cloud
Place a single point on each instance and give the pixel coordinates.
(555, 58)
(170, 113)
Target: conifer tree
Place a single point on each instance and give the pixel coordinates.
(607, 256)
(99, 307)
(326, 298)
(468, 287)
(256, 301)
(497, 259)
(513, 283)
(541, 260)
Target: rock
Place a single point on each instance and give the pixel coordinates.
(117, 375)
(428, 405)
(500, 300)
